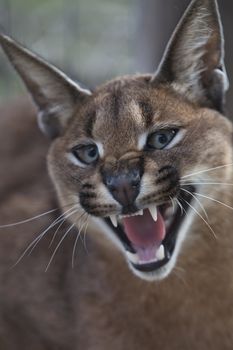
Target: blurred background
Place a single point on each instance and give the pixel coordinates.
(95, 40)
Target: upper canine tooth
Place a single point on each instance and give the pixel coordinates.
(153, 211)
(113, 218)
(140, 212)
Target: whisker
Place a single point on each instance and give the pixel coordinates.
(35, 217)
(33, 244)
(214, 200)
(55, 234)
(75, 243)
(60, 225)
(63, 217)
(30, 219)
(207, 170)
(74, 248)
(84, 239)
(178, 272)
(206, 183)
(200, 204)
(208, 225)
(173, 204)
(59, 244)
(180, 205)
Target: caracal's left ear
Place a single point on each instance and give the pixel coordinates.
(194, 59)
(55, 95)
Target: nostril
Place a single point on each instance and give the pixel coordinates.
(110, 182)
(135, 178)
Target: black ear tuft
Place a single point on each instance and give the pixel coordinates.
(55, 95)
(194, 59)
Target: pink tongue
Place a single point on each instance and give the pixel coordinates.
(144, 233)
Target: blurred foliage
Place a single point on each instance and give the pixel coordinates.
(90, 40)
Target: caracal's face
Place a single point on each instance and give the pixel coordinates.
(131, 159)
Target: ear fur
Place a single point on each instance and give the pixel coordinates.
(55, 95)
(194, 58)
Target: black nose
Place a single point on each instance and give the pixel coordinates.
(124, 187)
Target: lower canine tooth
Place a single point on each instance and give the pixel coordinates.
(114, 220)
(132, 257)
(160, 254)
(153, 211)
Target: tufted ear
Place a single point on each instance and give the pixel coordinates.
(55, 95)
(194, 58)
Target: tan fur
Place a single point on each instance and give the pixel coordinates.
(99, 303)
(190, 309)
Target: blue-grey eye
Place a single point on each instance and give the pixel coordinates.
(86, 154)
(160, 139)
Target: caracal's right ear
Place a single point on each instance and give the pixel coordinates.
(55, 95)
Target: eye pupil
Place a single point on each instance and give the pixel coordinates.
(162, 139)
(92, 153)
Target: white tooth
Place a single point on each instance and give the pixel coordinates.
(153, 211)
(169, 212)
(160, 254)
(168, 222)
(140, 212)
(132, 257)
(114, 220)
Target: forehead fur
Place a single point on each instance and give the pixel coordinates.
(130, 101)
(123, 109)
(135, 99)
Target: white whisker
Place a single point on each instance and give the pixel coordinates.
(178, 272)
(173, 204)
(34, 217)
(84, 239)
(200, 204)
(55, 233)
(75, 243)
(206, 183)
(207, 170)
(180, 205)
(65, 216)
(30, 219)
(59, 244)
(33, 244)
(214, 200)
(208, 225)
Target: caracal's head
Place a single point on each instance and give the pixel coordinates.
(129, 155)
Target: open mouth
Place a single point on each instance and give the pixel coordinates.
(149, 236)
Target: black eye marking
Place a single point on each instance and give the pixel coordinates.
(115, 103)
(91, 118)
(166, 168)
(147, 112)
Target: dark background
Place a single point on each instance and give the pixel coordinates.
(95, 40)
